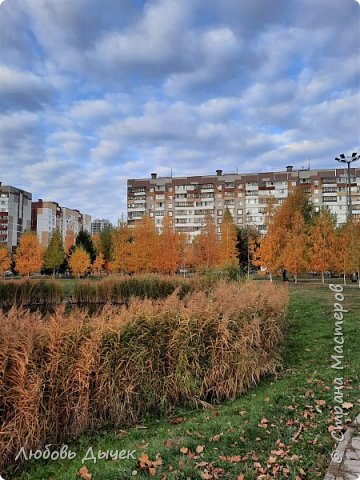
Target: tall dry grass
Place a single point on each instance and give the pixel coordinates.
(26, 292)
(65, 374)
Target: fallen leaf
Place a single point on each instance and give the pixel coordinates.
(84, 473)
(199, 448)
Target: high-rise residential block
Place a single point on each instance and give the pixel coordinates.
(49, 216)
(98, 225)
(187, 200)
(15, 214)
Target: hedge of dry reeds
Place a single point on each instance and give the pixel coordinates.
(120, 290)
(109, 290)
(27, 292)
(65, 374)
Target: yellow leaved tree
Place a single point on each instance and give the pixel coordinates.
(5, 262)
(79, 262)
(228, 252)
(29, 254)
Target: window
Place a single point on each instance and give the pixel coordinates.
(239, 211)
(219, 212)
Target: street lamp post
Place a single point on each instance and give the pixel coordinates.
(343, 159)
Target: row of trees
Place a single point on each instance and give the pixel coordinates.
(126, 250)
(299, 240)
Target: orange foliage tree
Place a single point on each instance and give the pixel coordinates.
(121, 238)
(343, 258)
(98, 264)
(274, 252)
(267, 254)
(79, 262)
(206, 245)
(29, 254)
(228, 252)
(5, 262)
(293, 255)
(169, 249)
(96, 242)
(69, 240)
(322, 243)
(143, 247)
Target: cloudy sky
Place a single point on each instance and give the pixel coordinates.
(97, 91)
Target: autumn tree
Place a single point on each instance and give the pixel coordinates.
(69, 240)
(343, 258)
(29, 254)
(293, 255)
(272, 253)
(169, 249)
(96, 242)
(5, 262)
(206, 245)
(98, 264)
(143, 247)
(84, 240)
(121, 239)
(322, 242)
(266, 254)
(228, 253)
(54, 254)
(79, 261)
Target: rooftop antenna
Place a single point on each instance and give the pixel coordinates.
(309, 163)
(171, 172)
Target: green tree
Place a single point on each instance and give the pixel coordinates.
(55, 254)
(106, 245)
(246, 237)
(84, 240)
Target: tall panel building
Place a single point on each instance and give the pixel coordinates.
(15, 214)
(188, 199)
(98, 225)
(50, 216)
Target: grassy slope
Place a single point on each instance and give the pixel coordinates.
(289, 398)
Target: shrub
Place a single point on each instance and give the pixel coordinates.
(69, 373)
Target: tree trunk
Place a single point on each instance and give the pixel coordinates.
(295, 278)
(322, 277)
(344, 278)
(271, 279)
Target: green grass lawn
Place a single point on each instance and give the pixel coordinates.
(278, 430)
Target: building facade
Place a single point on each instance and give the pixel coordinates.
(98, 225)
(50, 216)
(15, 214)
(187, 200)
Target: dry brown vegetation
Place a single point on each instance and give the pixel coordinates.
(65, 374)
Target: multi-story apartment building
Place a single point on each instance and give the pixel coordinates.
(49, 216)
(15, 214)
(45, 219)
(98, 225)
(188, 199)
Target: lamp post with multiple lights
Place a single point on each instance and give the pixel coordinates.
(343, 159)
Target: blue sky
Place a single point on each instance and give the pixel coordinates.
(93, 92)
